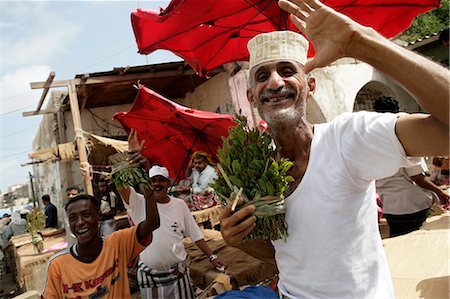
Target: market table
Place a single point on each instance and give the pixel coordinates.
(30, 265)
(419, 261)
(243, 269)
(207, 216)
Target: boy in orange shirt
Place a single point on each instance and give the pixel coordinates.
(96, 268)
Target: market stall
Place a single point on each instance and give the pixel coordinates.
(29, 265)
(243, 269)
(208, 217)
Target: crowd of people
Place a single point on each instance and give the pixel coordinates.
(372, 152)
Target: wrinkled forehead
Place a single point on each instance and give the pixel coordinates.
(275, 64)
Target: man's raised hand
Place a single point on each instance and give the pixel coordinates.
(135, 149)
(332, 34)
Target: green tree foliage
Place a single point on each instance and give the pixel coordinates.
(428, 23)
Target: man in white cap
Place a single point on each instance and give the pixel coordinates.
(162, 269)
(334, 248)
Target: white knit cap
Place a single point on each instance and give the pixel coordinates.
(158, 170)
(276, 45)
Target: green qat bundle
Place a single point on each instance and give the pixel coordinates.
(124, 174)
(250, 169)
(36, 221)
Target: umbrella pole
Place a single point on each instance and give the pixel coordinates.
(185, 159)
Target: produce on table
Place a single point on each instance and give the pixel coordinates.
(250, 168)
(36, 223)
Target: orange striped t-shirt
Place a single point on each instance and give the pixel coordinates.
(105, 277)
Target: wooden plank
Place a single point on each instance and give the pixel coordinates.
(39, 112)
(58, 83)
(112, 78)
(49, 81)
(81, 144)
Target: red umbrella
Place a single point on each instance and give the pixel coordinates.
(209, 33)
(173, 132)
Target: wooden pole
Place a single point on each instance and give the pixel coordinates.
(81, 145)
(49, 81)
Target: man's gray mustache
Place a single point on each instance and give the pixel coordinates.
(284, 90)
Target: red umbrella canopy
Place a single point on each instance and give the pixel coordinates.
(173, 132)
(209, 33)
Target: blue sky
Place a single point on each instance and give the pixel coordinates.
(67, 37)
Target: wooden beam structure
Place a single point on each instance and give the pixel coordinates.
(39, 112)
(76, 116)
(81, 144)
(46, 87)
(109, 79)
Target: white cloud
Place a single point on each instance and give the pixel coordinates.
(16, 92)
(36, 31)
(12, 173)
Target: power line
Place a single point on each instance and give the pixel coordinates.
(16, 154)
(106, 58)
(17, 110)
(10, 98)
(18, 132)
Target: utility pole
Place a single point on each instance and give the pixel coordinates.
(32, 190)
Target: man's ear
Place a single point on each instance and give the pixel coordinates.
(251, 97)
(312, 85)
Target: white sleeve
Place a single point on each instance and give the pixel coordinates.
(369, 146)
(416, 169)
(192, 229)
(136, 206)
(113, 198)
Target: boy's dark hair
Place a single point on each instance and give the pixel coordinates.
(74, 187)
(46, 197)
(444, 36)
(386, 104)
(84, 197)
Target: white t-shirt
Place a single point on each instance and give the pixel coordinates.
(334, 248)
(176, 222)
(400, 195)
(201, 180)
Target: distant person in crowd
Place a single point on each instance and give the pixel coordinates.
(444, 37)
(51, 212)
(71, 191)
(162, 269)
(108, 203)
(95, 267)
(5, 220)
(17, 226)
(200, 172)
(408, 195)
(439, 173)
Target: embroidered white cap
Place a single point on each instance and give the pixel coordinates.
(158, 170)
(286, 45)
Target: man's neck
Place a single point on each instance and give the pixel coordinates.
(163, 199)
(91, 250)
(294, 140)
